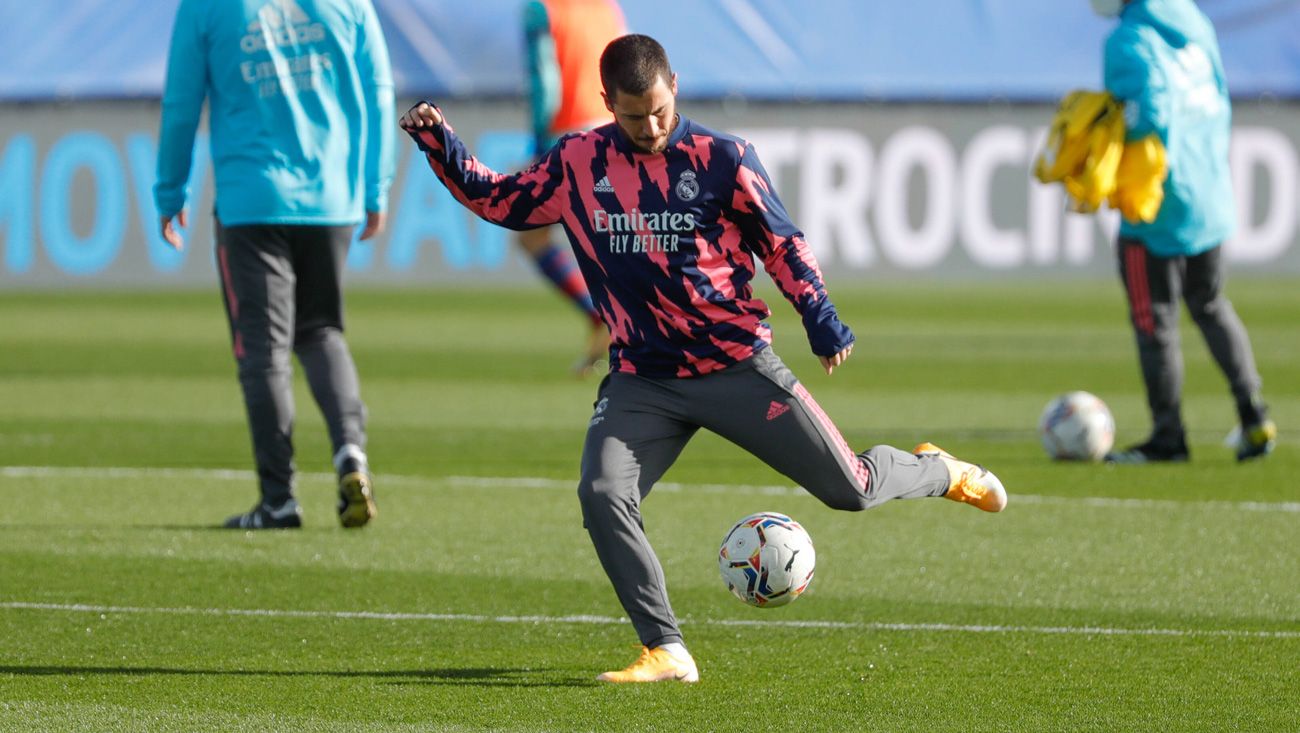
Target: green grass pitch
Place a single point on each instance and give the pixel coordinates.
(1160, 598)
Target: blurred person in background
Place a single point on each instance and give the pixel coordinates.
(1162, 61)
(301, 111)
(564, 39)
(668, 220)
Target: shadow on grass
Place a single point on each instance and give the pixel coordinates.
(475, 676)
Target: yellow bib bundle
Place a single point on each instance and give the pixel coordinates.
(1086, 152)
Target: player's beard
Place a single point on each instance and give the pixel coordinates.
(659, 144)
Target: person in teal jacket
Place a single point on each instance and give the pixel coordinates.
(301, 118)
(1162, 61)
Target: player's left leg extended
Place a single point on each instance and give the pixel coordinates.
(762, 407)
(319, 254)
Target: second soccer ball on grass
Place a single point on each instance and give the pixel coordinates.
(1077, 426)
(767, 559)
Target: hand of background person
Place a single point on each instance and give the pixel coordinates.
(375, 223)
(420, 116)
(170, 234)
(830, 362)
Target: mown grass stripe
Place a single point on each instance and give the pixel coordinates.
(527, 482)
(610, 620)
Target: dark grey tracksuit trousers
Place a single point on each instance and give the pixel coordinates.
(1153, 286)
(641, 425)
(282, 286)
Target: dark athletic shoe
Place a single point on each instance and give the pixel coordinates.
(1149, 452)
(286, 516)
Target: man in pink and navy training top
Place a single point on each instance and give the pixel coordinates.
(667, 218)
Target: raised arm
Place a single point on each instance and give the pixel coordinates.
(526, 200)
(774, 239)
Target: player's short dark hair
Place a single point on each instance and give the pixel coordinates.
(632, 64)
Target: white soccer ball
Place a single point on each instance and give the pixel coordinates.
(767, 560)
(1077, 426)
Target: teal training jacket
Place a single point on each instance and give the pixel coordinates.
(1163, 62)
(300, 97)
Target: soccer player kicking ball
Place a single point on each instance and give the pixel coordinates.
(666, 218)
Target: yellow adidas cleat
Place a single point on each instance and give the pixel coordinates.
(1255, 441)
(656, 665)
(967, 482)
(356, 500)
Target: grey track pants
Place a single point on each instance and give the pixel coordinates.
(1153, 286)
(282, 288)
(641, 425)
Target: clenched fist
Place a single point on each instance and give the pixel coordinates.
(420, 116)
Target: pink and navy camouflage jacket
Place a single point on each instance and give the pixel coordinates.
(666, 241)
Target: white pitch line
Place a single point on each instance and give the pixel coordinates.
(526, 482)
(610, 621)
(1098, 501)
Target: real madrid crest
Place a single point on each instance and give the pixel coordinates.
(687, 187)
